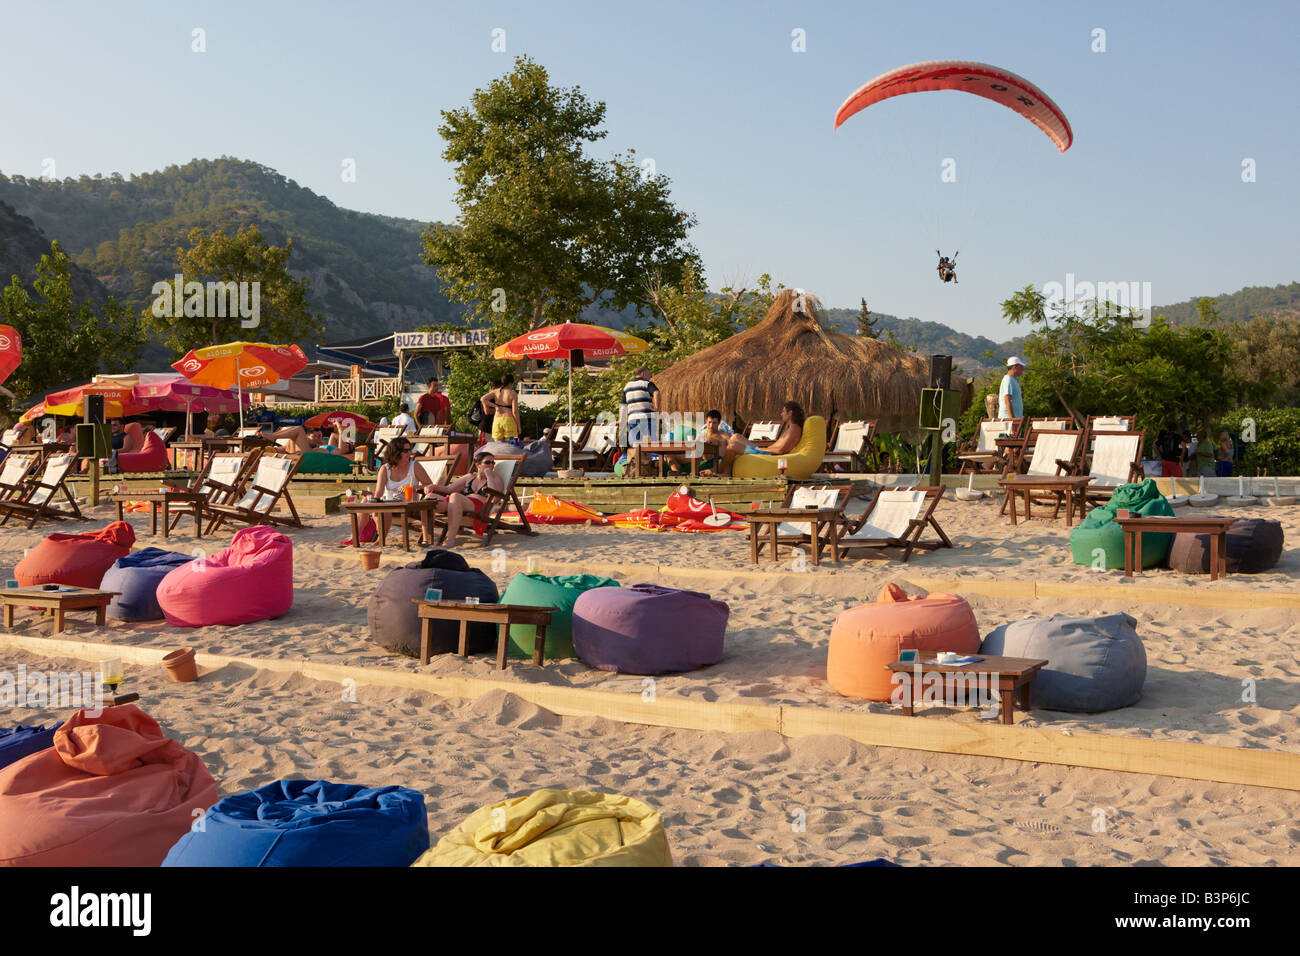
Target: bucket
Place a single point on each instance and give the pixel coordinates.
(369, 560)
(180, 664)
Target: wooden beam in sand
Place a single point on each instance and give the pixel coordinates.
(1166, 758)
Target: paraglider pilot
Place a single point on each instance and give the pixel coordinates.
(947, 267)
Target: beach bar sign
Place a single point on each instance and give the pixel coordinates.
(439, 340)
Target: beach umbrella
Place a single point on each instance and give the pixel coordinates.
(119, 400)
(168, 391)
(11, 351)
(340, 417)
(241, 365)
(561, 341)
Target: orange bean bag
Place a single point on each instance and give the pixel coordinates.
(151, 457)
(112, 791)
(80, 560)
(865, 639)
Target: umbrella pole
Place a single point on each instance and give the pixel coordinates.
(239, 399)
(570, 410)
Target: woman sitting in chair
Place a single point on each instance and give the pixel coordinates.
(399, 471)
(466, 495)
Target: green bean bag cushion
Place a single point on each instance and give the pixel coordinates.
(1098, 529)
(323, 463)
(559, 593)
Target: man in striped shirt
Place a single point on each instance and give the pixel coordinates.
(640, 407)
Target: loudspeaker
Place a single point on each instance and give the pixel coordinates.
(94, 440)
(940, 370)
(95, 409)
(576, 359)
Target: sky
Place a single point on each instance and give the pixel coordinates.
(739, 118)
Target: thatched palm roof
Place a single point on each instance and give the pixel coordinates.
(790, 355)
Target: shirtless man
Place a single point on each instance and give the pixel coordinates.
(298, 438)
(792, 417)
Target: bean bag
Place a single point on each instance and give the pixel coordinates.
(556, 828)
(801, 463)
(865, 639)
(251, 580)
(20, 741)
(648, 629)
(309, 823)
(137, 577)
(394, 622)
(1254, 546)
(558, 593)
(1098, 529)
(79, 560)
(1094, 663)
(112, 791)
(151, 457)
(323, 463)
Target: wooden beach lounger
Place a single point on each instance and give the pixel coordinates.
(852, 444)
(1055, 456)
(15, 475)
(599, 448)
(270, 486)
(507, 469)
(570, 433)
(220, 482)
(987, 454)
(39, 502)
(894, 522)
(817, 530)
(1116, 460)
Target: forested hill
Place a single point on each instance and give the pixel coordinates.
(21, 246)
(1240, 306)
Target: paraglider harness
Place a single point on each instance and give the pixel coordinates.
(947, 267)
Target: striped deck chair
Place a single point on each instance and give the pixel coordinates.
(893, 523)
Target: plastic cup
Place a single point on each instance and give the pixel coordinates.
(408, 491)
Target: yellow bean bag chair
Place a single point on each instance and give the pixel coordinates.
(556, 828)
(801, 463)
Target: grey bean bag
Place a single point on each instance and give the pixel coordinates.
(1094, 663)
(392, 617)
(537, 456)
(1254, 545)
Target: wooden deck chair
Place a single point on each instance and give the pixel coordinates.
(894, 521)
(381, 436)
(1106, 423)
(571, 433)
(799, 533)
(16, 474)
(763, 431)
(166, 433)
(269, 487)
(507, 469)
(439, 469)
(1116, 460)
(1056, 453)
(222, 480)
(423, 441)
(986, 452)
(851, 444)
(1019, 453)
(42, 494)
(600, 447)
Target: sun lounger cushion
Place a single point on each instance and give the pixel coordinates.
(1095, 663)
(1254, 546)
(19, 742)
(865, 639)
(323, 463)
(801, 463)
(556, 828)
(1098, 530)
(251, 580)
(559, 593)
(393, 618)
(309, 823)
(112, 791)
(151, 457)
(137, 577)
(648, 629)
(79, 560)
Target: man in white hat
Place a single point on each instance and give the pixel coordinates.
(1010, 404)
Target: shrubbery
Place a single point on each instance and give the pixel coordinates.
(1276, 448)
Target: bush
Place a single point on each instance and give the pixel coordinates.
(1276, 448)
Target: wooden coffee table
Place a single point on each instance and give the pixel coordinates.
(57, 602)
(773, 518)
(1011, 673)
(663, 449)
(1072, 488)
(502, 615)
(164, 499)
(1216, 528)
(401, 509)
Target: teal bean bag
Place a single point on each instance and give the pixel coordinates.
(1098, 529)
(559, 593)
(323, 463)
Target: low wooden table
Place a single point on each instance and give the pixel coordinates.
(1073, 488)
(502, 615)
(1216, 528)
(58, 602)
(401, 509)
(774, 517)
(663, 449)
(1013, 674)
(165, 499)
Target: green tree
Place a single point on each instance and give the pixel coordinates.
(866, 324)
(544, 231)
(64, 341)
(283, 313)
(1207, 312)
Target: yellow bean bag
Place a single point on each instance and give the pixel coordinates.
(556, 828)
(801, 463)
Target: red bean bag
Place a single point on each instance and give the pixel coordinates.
(152, 457)
(112, 791)
(865, 639)
(80, 560)
(251, 580)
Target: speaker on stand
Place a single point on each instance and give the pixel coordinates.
(940, 370)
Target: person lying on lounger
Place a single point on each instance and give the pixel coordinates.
(466, 495)
(299, 439)
(792, 417)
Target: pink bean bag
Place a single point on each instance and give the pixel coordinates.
(112, 791)
(152, 457)
(80, 560)
(251, 580)
(865, 639)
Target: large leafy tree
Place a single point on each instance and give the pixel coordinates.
(284, 312)
(544, 230)
(63, 340)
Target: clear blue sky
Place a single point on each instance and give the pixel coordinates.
(1150, 191)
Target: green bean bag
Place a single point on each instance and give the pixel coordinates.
(323, 463)
(1098, 529)
(559, 593)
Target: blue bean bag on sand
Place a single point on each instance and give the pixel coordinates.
(19, 742)
(309, 823)
(137, 577)
(1094, 663)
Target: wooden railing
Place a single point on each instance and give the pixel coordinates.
(351, 391)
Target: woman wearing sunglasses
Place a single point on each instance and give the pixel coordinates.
(466, 495)
(400, 470)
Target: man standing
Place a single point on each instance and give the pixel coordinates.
(639, 408)
(1010, 404)
(433, 408)
(405, 422)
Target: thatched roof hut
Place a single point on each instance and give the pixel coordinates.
(792, 355)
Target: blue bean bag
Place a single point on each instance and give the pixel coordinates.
(309, 823)
(137, 577)
(394, 621)
(19, 742)
(1094, 663)
(648, 629)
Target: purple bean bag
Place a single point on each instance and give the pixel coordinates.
(648, 629)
